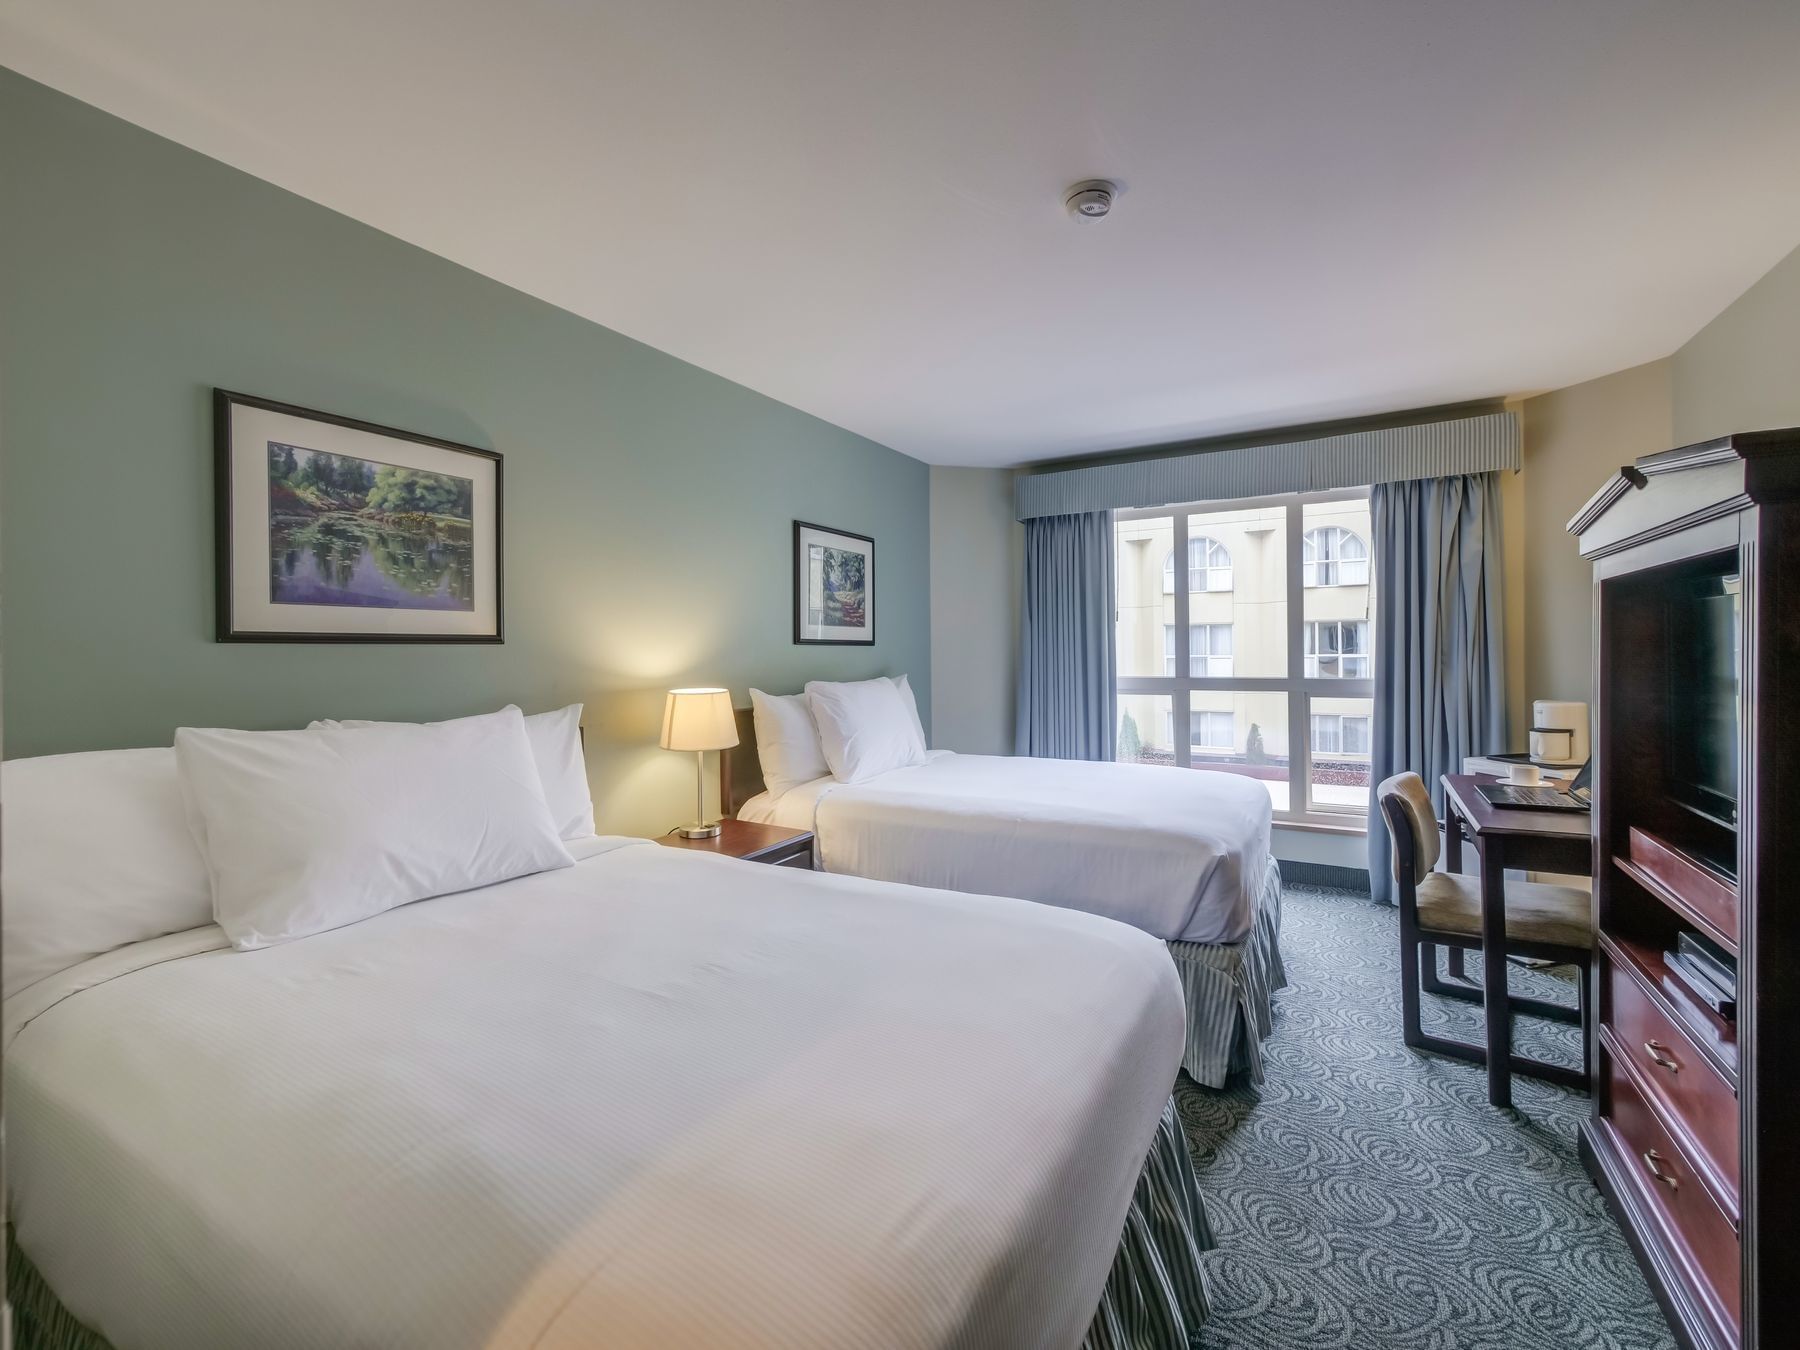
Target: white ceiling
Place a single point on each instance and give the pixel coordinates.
(854, 206)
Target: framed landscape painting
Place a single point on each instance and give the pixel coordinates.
(334, 530)
(834, 586)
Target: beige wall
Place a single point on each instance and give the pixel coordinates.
(977, 558)
(1742, 371)
(1739, 373)
(1574, 439)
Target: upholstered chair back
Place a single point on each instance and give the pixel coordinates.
(1412, 826)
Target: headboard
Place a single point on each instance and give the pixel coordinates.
(740, 768)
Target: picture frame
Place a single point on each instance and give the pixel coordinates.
(331, 529)
(834, 587)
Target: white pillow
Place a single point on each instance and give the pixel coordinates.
(97, 855)
(787, 741)
(556, 746)
(865, 727)
(912, 706)
(562, 769)
(308, 830)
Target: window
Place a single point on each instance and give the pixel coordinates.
(1209, 650)
(1260, 665)
(1209, 567)
(1338, 649)
(1213, 731)
(1336, 734)
(1333, 556)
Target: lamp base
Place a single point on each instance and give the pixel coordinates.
(699, 831)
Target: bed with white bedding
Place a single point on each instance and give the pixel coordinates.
(1178, 853)
(650, 1099)
(1181, 854)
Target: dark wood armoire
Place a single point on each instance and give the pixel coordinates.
(1696, 558)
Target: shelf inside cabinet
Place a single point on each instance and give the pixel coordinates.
(1699, 895)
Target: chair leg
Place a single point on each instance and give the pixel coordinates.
(1412, 953)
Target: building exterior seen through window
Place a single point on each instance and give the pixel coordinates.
(1258, 647)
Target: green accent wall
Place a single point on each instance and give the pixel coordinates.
(649, 504)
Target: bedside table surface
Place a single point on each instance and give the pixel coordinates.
(741, 839)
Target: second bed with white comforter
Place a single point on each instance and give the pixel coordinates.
(1181, 854)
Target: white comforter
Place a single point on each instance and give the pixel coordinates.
(653, 1100)
(1179, 853)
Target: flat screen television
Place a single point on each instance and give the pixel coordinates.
(1705, 695)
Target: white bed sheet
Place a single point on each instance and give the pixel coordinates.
(1179, 853)
(652, 1100)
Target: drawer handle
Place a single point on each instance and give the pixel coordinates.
(1658, 1053)
(1654, 1160)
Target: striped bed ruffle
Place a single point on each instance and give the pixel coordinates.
(1155, 1295)
(40, 1322)
(1228, 988)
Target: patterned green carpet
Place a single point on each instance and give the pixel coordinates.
(1368, 1196)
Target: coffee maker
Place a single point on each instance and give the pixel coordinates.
(1559, 733)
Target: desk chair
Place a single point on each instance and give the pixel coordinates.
(1547, 923)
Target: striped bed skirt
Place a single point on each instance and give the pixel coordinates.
(1155, 1295)
(1228, 988)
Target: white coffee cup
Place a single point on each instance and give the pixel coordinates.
(1525, 775)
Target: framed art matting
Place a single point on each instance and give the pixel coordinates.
(334, 530)
(834, 586)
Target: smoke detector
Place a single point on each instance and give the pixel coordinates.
(1091, 198)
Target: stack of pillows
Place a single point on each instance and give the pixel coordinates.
(850, 732)
(278, 834)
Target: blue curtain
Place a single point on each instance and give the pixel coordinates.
(1440, 668)
(1066, 692)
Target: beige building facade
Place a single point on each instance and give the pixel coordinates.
(1244, 572)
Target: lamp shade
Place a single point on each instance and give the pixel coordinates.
(699, 719)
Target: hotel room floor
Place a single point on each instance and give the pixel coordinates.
(1368, 1196)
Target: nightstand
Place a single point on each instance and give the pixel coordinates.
(773, 844)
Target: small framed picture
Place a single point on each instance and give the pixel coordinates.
(334, 530)
(834, 586)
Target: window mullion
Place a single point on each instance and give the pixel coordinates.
(1179, 703)
(1299, 720)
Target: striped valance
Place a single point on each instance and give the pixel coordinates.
(1430, 450)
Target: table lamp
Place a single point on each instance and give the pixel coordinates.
(699, 720)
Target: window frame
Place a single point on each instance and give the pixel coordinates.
(1207, 656)
(1311, 658)
(1205, 568)
(1231, 737)
(1343, 721)
(1300, 688)
(1337, 534)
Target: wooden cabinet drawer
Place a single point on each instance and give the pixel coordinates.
(1696, 1229)
(1686, 1085)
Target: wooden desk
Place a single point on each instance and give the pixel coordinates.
(1539, 841)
